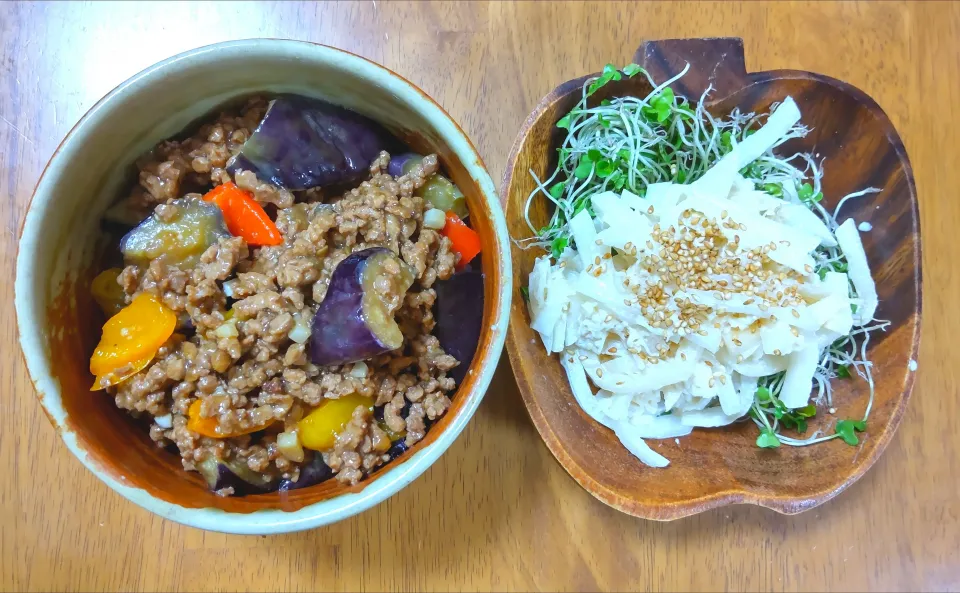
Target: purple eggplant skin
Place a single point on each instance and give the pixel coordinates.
(458, 312)
(352, 323)
(231, 474)
(311, 474)
(303, 143)
(401, 164)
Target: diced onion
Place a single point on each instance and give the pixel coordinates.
(165, 421)
(301, 331)
(289, 445)
(359, 370)
(228, 329)
(434, 218)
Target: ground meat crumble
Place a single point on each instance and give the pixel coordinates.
(257, 373)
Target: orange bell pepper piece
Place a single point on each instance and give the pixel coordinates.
(209, 427)
(135, 333)
(244, 216)
(465, 240)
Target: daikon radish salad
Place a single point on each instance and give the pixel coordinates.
(693, 277)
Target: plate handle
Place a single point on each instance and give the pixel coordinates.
(716, 61)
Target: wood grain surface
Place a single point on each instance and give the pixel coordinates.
(496, 511)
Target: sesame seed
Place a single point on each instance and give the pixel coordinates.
(723, 379)
(600, 373)
(628, 246)
(598, 242)
(582, 358)
(777, 352)
(795, 332)
(737, 342)
(708, 363)
(612, 350)
(711, 382)
(795, 313)
(596, 260)
(683, 356)
(739, 358)
(626, 302)
(650, 210)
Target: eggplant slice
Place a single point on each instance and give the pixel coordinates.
(355, 320)
(304, 143)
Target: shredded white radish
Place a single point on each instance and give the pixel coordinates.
(848, 238)
(654, 346)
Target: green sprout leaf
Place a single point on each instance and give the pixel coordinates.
(774, 189)
(564, 122)
(767, 440)
(632, 70)
(805, 191)
(839, 266)
(801, 425)
(853, 307)
(822, 273)
(763, 394)
(618, 179)
(558, 245)
(584, 168)
(624, 154)
(604, 168)
(556, 190)
(609, 73)
(726, 142)
(843, 372)
(808, 411)
(582, 205)
(847, 429)
(525, 293)
(604, 122)
(605, 102)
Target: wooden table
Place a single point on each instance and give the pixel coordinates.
(496, 512)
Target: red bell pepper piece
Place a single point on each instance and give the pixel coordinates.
(244, 216)
(465, 240)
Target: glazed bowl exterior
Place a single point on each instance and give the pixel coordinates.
(59, 324)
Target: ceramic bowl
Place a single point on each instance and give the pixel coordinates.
(58, 322)
(715, 467)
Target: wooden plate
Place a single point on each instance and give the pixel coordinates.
(716, 467)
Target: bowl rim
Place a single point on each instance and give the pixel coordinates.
(783, 504)
(393, 477)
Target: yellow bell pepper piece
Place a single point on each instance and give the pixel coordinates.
(135, 333)
(120, 375)
(318, 429)
(108, 292)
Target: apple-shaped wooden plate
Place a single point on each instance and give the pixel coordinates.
(716, 467)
